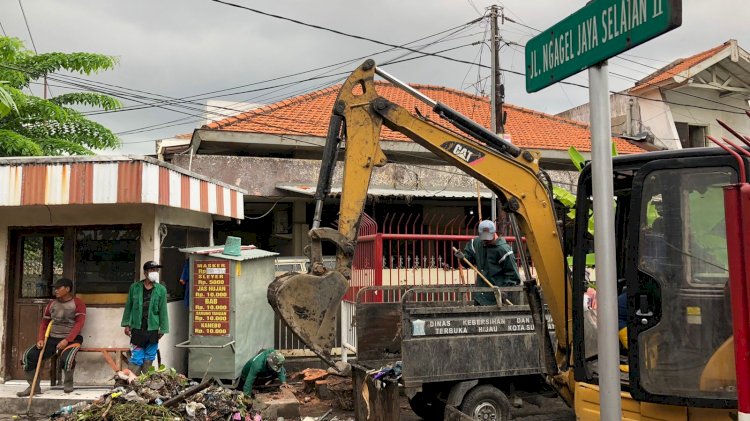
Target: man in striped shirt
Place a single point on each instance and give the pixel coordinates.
(494, 258)
(67, 315)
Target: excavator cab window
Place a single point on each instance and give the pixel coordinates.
(679, 319)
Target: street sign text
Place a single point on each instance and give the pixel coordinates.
(596, 32)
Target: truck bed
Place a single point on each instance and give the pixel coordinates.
(440, 335)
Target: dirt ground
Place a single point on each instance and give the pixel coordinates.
(536, 409)
(533, 409)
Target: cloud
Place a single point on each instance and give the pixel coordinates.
(184, 47)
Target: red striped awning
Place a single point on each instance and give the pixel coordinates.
(102, 180)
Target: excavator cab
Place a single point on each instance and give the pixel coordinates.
(673, 272)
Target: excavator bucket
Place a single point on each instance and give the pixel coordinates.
(309, 304)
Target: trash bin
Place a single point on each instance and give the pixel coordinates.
(230, 318)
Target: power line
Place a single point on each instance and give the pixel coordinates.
(184, 120)
(460, 28)
(27, 26)
(205, 95)
(171, 101)
(339, 32)
(3, 29)
(521, 24)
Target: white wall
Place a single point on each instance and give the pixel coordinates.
(707, 117)
(102, 327)
(656, 117)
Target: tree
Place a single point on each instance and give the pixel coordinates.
(30, 125)
(6, 102)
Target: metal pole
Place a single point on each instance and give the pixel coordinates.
(495, 123)
(604, 243)
(419, 95)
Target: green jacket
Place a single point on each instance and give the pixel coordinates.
(158, 317)
(496, 262)
(257, 367)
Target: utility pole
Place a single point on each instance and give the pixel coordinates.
(498, 90)
(497, 95)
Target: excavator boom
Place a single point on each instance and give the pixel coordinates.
(308, 302)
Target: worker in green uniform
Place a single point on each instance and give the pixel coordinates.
(268, 364)
(494, 258)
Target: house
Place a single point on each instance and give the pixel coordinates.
(677, 106)
(97, 220)
(274, 153)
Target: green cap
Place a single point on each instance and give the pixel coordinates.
(275, 361)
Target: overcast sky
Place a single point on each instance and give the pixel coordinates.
(183, 48)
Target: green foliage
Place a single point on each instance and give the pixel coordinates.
(87, 98)
(31, 125)
(568, 199)
(14, 144)
(708, 229)
(6, 101)
(576, 157)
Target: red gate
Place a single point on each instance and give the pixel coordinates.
(411, 251)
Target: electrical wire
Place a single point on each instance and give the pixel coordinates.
(175, 101)
(177, 122)
(209, 94)
(521, 24)
(27, 26)
(265, 214)
(362, 38)
(5, 34)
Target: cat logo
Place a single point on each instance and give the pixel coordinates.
(465, 153)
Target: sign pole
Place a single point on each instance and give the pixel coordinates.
(604, 242)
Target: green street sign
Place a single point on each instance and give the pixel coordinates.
(596, 32)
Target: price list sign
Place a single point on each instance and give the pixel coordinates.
(211, 298)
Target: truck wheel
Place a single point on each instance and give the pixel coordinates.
(427, 407)
(486, 402)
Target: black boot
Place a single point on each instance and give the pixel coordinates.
(136, 369)
(30, 378)
(68, 380)
(146, 365)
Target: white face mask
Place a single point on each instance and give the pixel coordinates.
(153, 277)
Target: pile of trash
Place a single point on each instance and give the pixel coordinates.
(166, 395)
(390, 372)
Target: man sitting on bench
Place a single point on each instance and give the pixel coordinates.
(67, 314)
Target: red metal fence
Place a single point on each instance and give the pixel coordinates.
(411, 251)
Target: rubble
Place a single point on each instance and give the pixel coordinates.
(166, 395)
(329, 385)
(341, 368)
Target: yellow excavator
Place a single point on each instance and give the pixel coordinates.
(671, 251)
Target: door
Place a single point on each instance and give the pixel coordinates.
(677, 285)
(37, 257)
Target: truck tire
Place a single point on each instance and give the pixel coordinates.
(486, 402)
(427, 406)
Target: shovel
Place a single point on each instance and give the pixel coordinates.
(481, 275)
(38, 367)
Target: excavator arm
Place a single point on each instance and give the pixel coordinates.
(309, 302)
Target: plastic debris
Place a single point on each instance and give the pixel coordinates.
(193, 409)
(145, 396)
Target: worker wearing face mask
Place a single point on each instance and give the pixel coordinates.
(145, 318)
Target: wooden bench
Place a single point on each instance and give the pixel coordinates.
(120, 355)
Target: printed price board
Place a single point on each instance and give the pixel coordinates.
(211, 298)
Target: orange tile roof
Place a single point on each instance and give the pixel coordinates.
(678, 66)
(309, 114)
